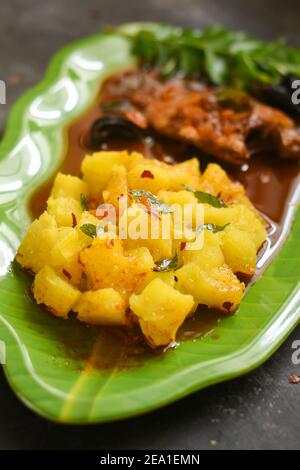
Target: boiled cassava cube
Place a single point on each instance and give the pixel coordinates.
(186, 173)
(167, 277)
(66, 210)
(150, 175)
(160, 310)
(101, 307)
(148, 229)
(66, 247)
(239, 250)
(33, 253)
(218, 287)
(241, 217)
(50, 289)
(117, 186)
(207, 257)
(181, 197)
(215, 181)
(116, 269)
(68, 186)
(97, 170)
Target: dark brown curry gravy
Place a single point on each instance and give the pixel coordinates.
(269, 183)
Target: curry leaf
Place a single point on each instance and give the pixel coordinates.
(212, 228)
(140, 195)
(222, 56)
(166, 264)
(84, 202)
(89, 229)
(206, 198)
(216, 67)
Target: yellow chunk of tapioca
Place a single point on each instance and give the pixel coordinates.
(97, 170)
(217, 288)
(101, 307)
(160, 310)
(55, 292)
(68, 186)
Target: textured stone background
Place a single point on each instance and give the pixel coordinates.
(258, 411)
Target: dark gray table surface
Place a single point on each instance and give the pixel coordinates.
(257, 411)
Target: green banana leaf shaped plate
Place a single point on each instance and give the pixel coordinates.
(41, 370)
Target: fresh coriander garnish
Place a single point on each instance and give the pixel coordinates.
(206, 197)
(167, 264)
(84, 202)
(160, 206)
(89, 229)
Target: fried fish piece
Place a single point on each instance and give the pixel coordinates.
(227, 124)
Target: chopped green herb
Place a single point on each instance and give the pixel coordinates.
(212, 228)
(159, 205)
(206, 197)
(224, 57)
(84, 202)
(89, 229)
(167, 264)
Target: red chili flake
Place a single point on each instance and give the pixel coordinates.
(67, 274)
(74, 220)
(153, 214)
(109, 243)
(149, 208)
(105, 214)
(147, 174)
(227, 306)
(182, 246)
(294, 379)
(93, 204)
(145, 201)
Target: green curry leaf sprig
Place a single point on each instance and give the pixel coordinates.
(166, 264)
(221, 56)
(206, 198)
(140, 195)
